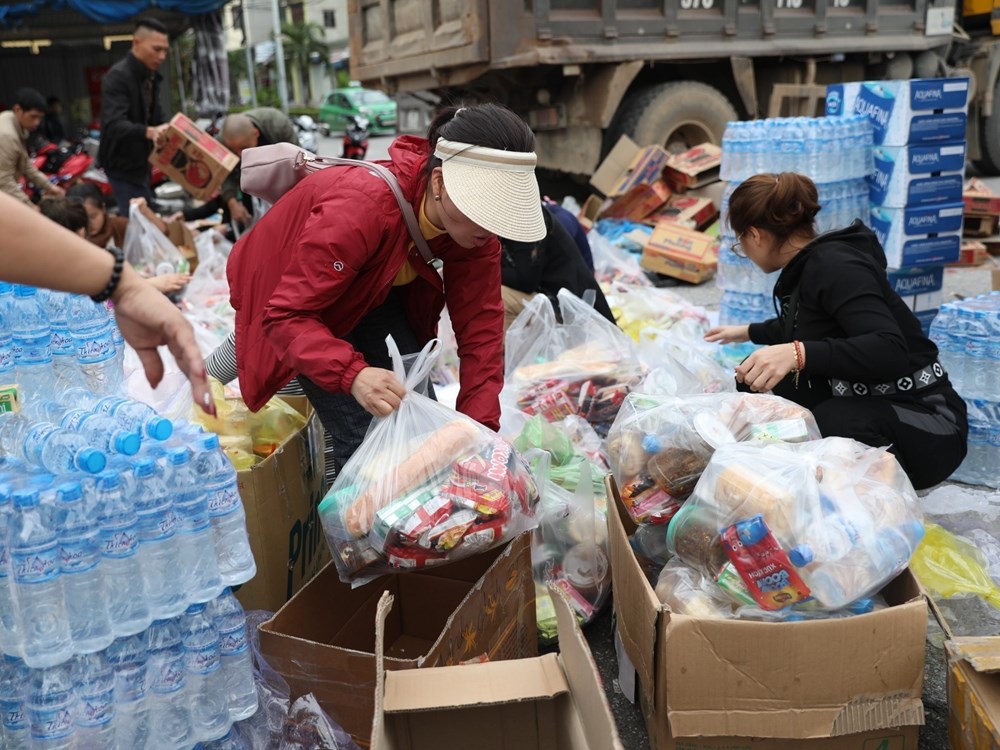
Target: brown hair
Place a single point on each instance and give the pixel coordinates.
(69, 212)
(783, 204)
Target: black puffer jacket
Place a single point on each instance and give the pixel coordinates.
(853, 325)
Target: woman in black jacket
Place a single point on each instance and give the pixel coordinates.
(843, 343)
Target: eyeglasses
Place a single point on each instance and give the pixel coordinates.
(738, 250)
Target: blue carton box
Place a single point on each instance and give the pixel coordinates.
(904, 249)
(917, 175)
(921, 110)
(908, 282)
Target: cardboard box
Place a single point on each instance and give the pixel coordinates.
(322, 641)
(977, 225)
(589, 211)
(917, 175)
(909, 281)
(842, 684)
(973, 693)
(918, 236)
(193, 159)
(686, 210)
(921, 110)
(972, 253)
(980, 200)
(552, 702)
(694, 168)
(281, 495)
(628, 165)
(182, 237)
(639, 202)
(682, 253)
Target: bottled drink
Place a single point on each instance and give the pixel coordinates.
(102, 432)
(91, 327)
(10, 641)
(7, 359)
(158, 541)
(32, 340)
(63, 346)
(207, 688)
(95, 709)
(120, 561)
(231, 741)
(37, 585)
(47, 446)
(992, 382)
(129, 661)
(14, 730)
(82, 576)
(199, 568)
(169, 712)
(977, 333)
(130, 415)
(941, 334)
(650, 542)
(217, 475)
(237, 663)
(50, 705)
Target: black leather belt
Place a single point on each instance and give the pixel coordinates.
(922, 378)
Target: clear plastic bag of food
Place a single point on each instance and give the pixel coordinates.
(688, 591)
(584, 366)
(148, 249)
(660, 445)
(829, 520)
(426, 487)
(648, 313)
(612, 265)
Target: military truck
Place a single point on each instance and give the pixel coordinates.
(584, 72)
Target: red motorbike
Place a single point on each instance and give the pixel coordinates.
(356, 138)
(63, 166)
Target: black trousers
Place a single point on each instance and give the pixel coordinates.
(928, 436)
(342, 416)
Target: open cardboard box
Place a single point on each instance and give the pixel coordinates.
(192, 158)
(323, 642)
(551, 702)
(973, 693)
(842, 684)
(682, 253)
(628, 165)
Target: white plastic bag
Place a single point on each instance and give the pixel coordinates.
(426, 487)
(148, 249)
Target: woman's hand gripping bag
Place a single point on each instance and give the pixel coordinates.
(427, 486)
(826, 522)
(583, 366)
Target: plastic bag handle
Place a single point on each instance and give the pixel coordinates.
(421, 368)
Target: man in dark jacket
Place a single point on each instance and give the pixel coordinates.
(554, 263)
(131, 115)
(255, 127)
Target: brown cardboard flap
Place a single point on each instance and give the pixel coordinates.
(637, 606)
(983, 653)
(582, 674)
(610, 171)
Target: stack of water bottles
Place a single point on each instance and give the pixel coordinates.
(967, 334)
(121, 534)
(834, 151)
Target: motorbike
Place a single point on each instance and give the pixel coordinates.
(307, 130)
(64, 166)
(356, 137)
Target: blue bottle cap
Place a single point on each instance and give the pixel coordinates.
(651, 443)
(5, 492)
(20, 290)
(128, 443)
(801, 555)
(752, 530)
(159, 428)
(6, 288)
(862, 606)
(144, 467)
(195, 609)
(92, 461)
(41, 481)
(209, 441)
(69, 492)
(178, 456)
(26, 498)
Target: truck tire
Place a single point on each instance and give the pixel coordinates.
(677, 115)
(989, 139)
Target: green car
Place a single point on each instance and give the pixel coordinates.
(339, 103)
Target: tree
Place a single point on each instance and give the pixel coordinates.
(302, 42)
(238, 71)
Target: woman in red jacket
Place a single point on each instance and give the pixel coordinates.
(330, 271)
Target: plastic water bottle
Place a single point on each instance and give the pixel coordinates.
(10, 641)
(102, 432)
(128, 658)
(121, 562)
(82, 579)
(134, 415)
(7, 358)
(37, 585)
(14, 730)
(940, 334)
(50, 705)
(46, 446)
(158, 541)
(977, 334)
(63, 346)
(231, 741)
(95, 710)
(207, 688)
(32, 340)
(91, 327)
(169, 712)
(217, 475)
(199, 568)
(237, 663)
(992, 380)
